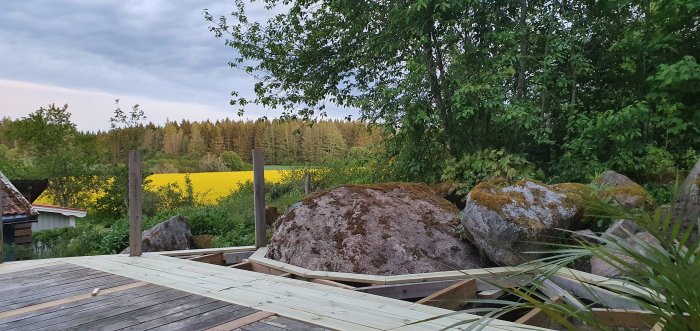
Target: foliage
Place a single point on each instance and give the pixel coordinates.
(575, 87)
(482, 165)
(211, 163)
(233, 161)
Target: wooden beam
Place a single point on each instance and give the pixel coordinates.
(135, 203)
(265, 269)
(186, 252)
(245, 265)
(407, 291)
(537, 317)
(553, 290)
(259, 198)
(452, 297)
(237, 257)
(490, 294)
(215, 258)
(332, 283)
(626, 318)
(595, 293)
(243, 321)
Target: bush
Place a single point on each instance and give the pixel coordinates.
(481, 166)
(211, 163)
(232, 160)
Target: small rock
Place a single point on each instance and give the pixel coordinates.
(507, 222)
(171, 235)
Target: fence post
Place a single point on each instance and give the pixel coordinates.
(135, 203)
(259, 198)
(308, 186)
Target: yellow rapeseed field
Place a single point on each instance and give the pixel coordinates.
(213, 185)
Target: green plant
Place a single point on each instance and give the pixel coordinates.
(483, 165)
(232, 160)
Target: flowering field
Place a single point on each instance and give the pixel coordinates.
(213, 184)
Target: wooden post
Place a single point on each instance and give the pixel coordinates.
(307, 184)
(259, 198)
(135, 203)
(2, 224)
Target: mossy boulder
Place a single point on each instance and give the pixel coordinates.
(387, 229)
(508, 220)
(623, 190)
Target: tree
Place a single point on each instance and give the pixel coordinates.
(570, 85)
(232, 160)
(57, 151)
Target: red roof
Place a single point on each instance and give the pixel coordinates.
(13, 203)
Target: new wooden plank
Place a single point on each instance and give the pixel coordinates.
(596, 294)
(407, 291)
(326, 312)
(332, 283)
(245, 265)
(452, 297)
(204, 251)
(490, 294)
(213, 258)
(537, 317)
(553, 290)
(243, 321)
(290, 324)
(237, 257)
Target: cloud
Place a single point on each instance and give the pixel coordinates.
(148, 51)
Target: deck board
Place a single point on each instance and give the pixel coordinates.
(180, 294)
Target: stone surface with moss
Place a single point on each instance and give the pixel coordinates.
(383, 229)
(507, 220)
(623, 190)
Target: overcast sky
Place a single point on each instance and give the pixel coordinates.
(86, 53)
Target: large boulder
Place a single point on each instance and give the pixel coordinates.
(508, 221)
(623, 190)
(386, 229)
(171, 235)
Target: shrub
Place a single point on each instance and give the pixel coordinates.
(232, 160)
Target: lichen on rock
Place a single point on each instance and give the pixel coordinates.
(506, 221)
(384, 229)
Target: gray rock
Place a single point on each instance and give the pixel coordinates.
(171, 235)
(640, 243)
(386, 229)
(507, 222)
(623, 190)
(622, 229)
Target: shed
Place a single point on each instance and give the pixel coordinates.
(53, 217)
(17, 214)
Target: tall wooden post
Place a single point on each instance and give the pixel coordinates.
(259, 198)
(135, 203)
(2, 225)
(308, 187)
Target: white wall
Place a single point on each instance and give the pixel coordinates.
(52, 221)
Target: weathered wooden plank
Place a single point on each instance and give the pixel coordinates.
(73, 301)
(21, 285)
(452, 297)
(407, 291)
(36, 268)
(135, 203)
(23, 232)
(214, 258)
(177, 316)
(145, 313)
(81, 308)
(243, 321)
(259, 198)
(208, 319)
(237, 257)
(98, 313)
(60, 293)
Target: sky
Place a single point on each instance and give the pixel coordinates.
(87, 53)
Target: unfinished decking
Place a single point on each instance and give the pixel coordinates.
(166, 293)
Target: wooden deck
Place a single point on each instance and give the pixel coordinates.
(156, 292)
